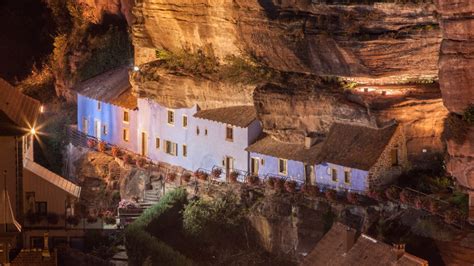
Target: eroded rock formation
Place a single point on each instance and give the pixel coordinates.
(94, 10)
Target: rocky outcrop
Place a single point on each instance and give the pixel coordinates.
(94, 10)
(456, 63)
(296, 36)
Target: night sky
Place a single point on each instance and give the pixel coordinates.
(26, 34)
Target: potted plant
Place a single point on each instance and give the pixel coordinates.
(53, 218)
(392, 193)
(109, 218)
(186, 177)
(140, 162)
(330, 195)
(233, 176)
(102, 146)
(216, 172)
(290, 186)
(253, 180)
(116, 152)
(91, 143)
(278, 185)
(352, 198)
(72, 220)
(171, 177)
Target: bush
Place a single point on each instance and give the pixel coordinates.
(140, 162)
(352, 198)
(102, 146)
(171, 177)
(310, 190)
(418, 202)
(91, 219)
(290, 186)
(468, 115)
(270, 182)
(233, 176)
(451, 216)
(53, 218)
(73, 220)
(376, 195)
(392, 193)
(216, 172)
(140, 244)
(253, 180)
(116, 152)
(186, 177)
(278, 185)
(127, 158)
(406, 197)
(331, 195)
(91, 143)
(128, 204)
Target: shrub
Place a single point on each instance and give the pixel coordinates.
(91, 143)
(128, 204)
(290, 186)
(331, 195)
(310, 190)
(127, 158)
(109, 217)
(216, 172)
(271, 182)
(418, 202)
(432, 205)
(233, 176)
(450, 216)
(102, 146)
(468, 115)
(91, 219)
(53, 218)
(406, 197)
(186, 177)
(279, 185)
(392, 193)
(140, 244)
(253, 180)
(140, 162)
(73, 220)
(352, 198)
(376, 195)
(116, 152)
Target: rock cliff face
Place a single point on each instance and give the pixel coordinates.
(456, 74)
(94, 10)
(296, 36)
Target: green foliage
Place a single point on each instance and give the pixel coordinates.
(62, 19)
(198, 63)
(247, 71)
(111, 50)
(39, 84)
(142, 246)
(461, 201)
(102, 244)
(468, 114)
(201, 218)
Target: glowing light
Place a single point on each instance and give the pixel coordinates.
(33, 131)
(42, 109)
(136, 68)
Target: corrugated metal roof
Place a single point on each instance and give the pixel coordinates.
(240, 116)
(53, 178)
(111, 87)
(18, 107)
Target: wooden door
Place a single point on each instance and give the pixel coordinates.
(144, 144)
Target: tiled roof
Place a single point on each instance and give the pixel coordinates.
(268, 145)
(17, 108)
(53, 178)
(111, 87)
(355, 146)
(240, 116)
(28, 257)
(6, 208)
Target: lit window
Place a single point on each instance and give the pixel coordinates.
(185, 121)
(126, 118)
(126, 134)
(197, 131)
(98, 106)
(105, 130)
(334, 174)
(229, 133)
(171, 148)
(347, 176)
(157, 143)
(170, 117)
(282, 166)
(185, 151)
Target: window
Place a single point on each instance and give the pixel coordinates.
(157, 143)
(205, 132)
(104, 130)
(185, 151)
(262, 161)
(229, 133)
(394, 156)
(85, 125)
(171, 148)
(185, 121)
(334, 174)
(41, 208)
(254, 163)
(282, 166)
(197, 131)
(98, 106)
(170, 117)
(126, 134)
(126, 118)
(347, 176)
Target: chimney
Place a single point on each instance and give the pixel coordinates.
(398, 250)
(349, 239)
(45, 253)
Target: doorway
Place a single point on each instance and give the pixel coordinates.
(310, 177)
(229, 165)
(144, 151)
(254, 163)
(97, 129)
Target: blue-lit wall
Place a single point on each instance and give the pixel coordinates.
(153, 120)
(358, 180)
(270, 167)
(210, 150)
(111, 116)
